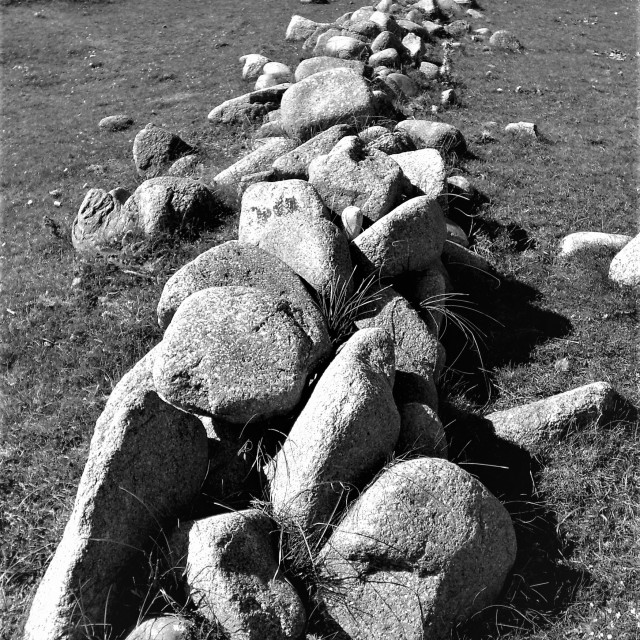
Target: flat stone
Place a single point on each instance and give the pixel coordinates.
(235, 354)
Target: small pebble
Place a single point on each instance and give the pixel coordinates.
(57, 203)
(55, 193)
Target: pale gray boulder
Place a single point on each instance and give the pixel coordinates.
(264, 200)
(314, 44)
(429, 70)
(163, 628)
(352, 219)
(250, 106)
(335, 96)
(147, 461)
(506, 41)
(295, 163)
(349, 175)
(167, 204)
(386, 58)
(522, 129)
(425, 547)
(363, 13)
(415, 47)
(102, 223)
(342, 437)
(231, 183)
(119, 122)
(427, 134)
(321, 41)
(317, 64)
(547, 421)
(234, 579)
(301, 28)
(428, 8)
(625, 267)
(592, 242)
(235, 264)
(421, 432)
(235, 354)
(155, 149)
(406, 239)
(253, 63)
(425, 170)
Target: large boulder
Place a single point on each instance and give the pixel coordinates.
(240, 265)
(427, 134)
(425, 170)
(406, 239)
(233, 578)
(342, 437)
(231, 183)
(350, 175)
(625, 267)
(425, 547)
(335, 96)
(546, 421)
(250, 106)
(102, 223)
(169, 203)
(147, 462)
(295, 228)
(317, 64)
(155, 149)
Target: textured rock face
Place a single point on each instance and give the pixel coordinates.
(317, 64)
(546, 421)
(122, 500)
(250, 106)
(343, 435)
(407, 239)
(102, 224)
(426, 134)
(118, 122)
(240, 265)
(346, 48)
(235, 354)
(423, 548)
(424, 169)
(252, 65)
(336, 96)
(155, 149)
(295, 164)
(234, 579)
(163, 628)
(625, 267)
(421, 432)
(170, 203)
(505, 40)
(350, 175)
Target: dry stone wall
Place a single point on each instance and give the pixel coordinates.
(296, 329)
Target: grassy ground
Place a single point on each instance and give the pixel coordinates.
(64, 346)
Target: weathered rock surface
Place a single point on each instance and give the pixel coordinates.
(119, 122)
(163, 628)
(421, 432)
(236, 264)
(406, 239)
(155, 149)
(505, 40)
(386, 58)
(522, 129)
(389, 142)
(295, 164)
(349, 175)
(429, 70)
(434, 135)
(102, 224)
(533, 425)
(300, 29)
(235, 354)
(310, 66)
(231, 183)
(234, 579)
(186, 167)
(402, 85)
(342, 437)
(250, 106)
(335, 96)
(253, 63)
(347, 48)
(147, 460)
(592, 242)
(625, 267)
(423, 548)
(425, 170)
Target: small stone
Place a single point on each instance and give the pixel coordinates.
(163, 628)
(317, 64)
(155, 148)
(592, 242)
(118, 122)
(522, 129)
(448, 98)
(506, 41)
(425, 170)
(253, 65)
(57, 203)
(625, 267)
(427, 134)
(352, 221)
(429, 70)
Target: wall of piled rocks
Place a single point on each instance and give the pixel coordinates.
(309, 338)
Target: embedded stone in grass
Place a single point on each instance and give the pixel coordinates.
(421, 432)
(236, 264)
(448, 98)
(544, 422)
(234, 579)
(250, 106)
(625, 267)
(406, 239)
(342, 437)
(350, 175)
(414, 46)
(163, 628)
(147, 461)
(425, 170)
(317, 64)
(592, 242)
(424, 548)
(506, 41)
(522, 129)
(335, 96)
(429, 70)
(235, 354)
(427, 134)
(155, 149)
(118, 122)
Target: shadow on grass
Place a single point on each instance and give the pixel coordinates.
(542, 584)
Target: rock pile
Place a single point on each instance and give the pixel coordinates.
(298, 328)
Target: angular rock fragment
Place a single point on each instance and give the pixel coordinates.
(155, 149)
(425, 170)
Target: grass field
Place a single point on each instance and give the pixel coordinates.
(71, 328)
